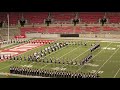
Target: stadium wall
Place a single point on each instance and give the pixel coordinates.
(50, 35)
(32, 35)
(40, 35)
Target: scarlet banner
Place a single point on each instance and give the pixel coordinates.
(21, 36)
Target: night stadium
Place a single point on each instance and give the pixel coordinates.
(59, 44)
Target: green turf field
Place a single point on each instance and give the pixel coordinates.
(105, 60)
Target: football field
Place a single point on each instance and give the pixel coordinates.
(105, 60)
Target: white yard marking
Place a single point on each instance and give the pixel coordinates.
(9, 65)
(77, 57)
(108, 48)
(19, 61)
(93, 71)
(92, 65)
(58, 68)
(49, 55)
(27, 66)
(62, 56)
(110, 41)
(108, 59)
(94, 57)
(69, 52)
(116, 73)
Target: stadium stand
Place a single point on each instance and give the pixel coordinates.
(62, 17)
(113, 17)
(35, 17)
(61, 22)
(91, 17)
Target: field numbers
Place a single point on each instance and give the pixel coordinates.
(108, 48)
(94, 71)
(92, 65)
(27, 66)
(58, 68)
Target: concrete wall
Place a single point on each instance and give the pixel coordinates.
(50, 35)
(33, 35)
(39, 35)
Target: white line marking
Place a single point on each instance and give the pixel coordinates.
(20, 61)
(61, 57)
(9, 65)
(116, 73)
(107, 60)
(77, 57)
(94, 57)
(69, 52)
(50, 54)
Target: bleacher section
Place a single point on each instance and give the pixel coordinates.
(59, 17)
(69, 29)
(29, 17)
(61, 23)
(113, 17)
(14, 17)
(91, 17)
(35, 17)
(62, 17)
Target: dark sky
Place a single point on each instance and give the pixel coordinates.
(60, 5)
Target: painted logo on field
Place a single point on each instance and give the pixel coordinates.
(21, 48)
(9, 53)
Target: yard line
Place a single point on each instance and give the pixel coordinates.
(23, 52)
(9, 65)
(94, 57)
(50, 54)
(20, 61)
(69, 52)
(116, 73)
(61, 56)
(77, 57)
(108, 59)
